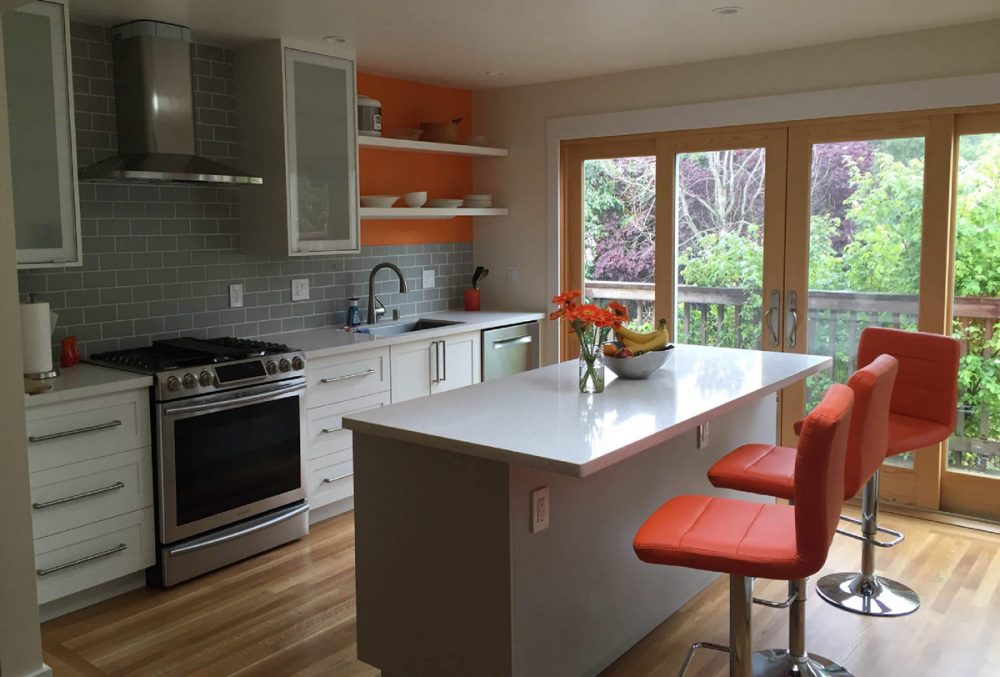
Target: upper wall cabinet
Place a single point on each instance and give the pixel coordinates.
(298, 129)
(42, 143)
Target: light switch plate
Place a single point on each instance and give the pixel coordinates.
(513, 275)
(427, 279)
(236, 296)
(300, 290)
(540, 510)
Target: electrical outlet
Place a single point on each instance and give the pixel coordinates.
(300, 290)
(513, 275)
(236, 296)
(540, 510)
(428, 278)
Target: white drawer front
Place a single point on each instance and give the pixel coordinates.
(97, 553)
(330, 478)
(71, 496)
(79, 430)
(345, 377)
(326, 434)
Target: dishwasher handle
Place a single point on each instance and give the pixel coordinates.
(511, 342)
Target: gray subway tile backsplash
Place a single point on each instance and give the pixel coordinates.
(159, 259)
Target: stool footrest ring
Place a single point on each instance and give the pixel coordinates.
(694, 648)
(898, 536)
(777, 605)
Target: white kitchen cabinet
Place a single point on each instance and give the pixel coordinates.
(421, 368)
(42, 137)
(298, 129)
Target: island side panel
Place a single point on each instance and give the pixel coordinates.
(581, 597)
(433, 560)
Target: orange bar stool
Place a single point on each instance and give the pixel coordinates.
(770, 470)
(753, 540)
(922, 413)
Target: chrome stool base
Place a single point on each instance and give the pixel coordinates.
(780, 663)
(868, 596)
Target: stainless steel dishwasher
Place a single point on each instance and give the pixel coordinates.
(510, 350)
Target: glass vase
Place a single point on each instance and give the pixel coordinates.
(592, 372)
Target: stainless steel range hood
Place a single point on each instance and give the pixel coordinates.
(155, 110)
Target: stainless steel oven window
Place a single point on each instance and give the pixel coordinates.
(230, 425)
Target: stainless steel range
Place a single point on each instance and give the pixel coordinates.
(229, 432)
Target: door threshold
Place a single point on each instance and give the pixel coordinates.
(952, 519)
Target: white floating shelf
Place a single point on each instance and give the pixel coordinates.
(426, 212)
(429, 147)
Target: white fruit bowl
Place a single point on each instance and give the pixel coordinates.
(640, 366)
(383, 201)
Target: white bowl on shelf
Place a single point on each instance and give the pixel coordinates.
(380, 201)
(416, 199)
(444, 203)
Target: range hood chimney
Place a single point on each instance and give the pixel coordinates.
(155, 110)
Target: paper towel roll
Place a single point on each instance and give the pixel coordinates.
(36, 337)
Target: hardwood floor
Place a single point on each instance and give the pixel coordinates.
(291, 612)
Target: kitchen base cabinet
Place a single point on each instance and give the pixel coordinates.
(421, 368)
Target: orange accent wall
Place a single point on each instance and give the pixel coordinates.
(386, 172)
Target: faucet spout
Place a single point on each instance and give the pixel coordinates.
(372, 315)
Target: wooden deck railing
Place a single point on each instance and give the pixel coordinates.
(731, 317)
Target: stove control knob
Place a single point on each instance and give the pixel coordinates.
(206, 379)
(173, 384)
(298, 364)
(284, 365)
(190, 381)
(271, 367)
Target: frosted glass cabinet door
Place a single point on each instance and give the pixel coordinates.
(322, 152)
(40, 118)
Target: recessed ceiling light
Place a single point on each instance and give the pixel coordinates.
(496, 74)
(727, 11)
(335, 38)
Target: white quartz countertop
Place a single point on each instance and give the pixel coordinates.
(87, 380)
(335, 341)
(540, 419)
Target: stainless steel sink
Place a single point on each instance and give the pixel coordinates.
(405, 327)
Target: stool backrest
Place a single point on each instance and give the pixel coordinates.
(866, 444)
(819, 474)
(927, 381)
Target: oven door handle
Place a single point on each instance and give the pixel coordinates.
(234, 401)
(237, 533)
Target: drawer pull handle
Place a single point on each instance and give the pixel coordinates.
(76, 497)
(75, 431)
(331, 480)
(83, 560)
(327, 431)
(334, 379)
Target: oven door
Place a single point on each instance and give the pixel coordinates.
(225, 457)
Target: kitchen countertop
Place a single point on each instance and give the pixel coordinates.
(540, 419)
(327, 341)
(87, 380)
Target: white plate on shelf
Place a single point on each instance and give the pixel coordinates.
(381, 201)
(444, 203)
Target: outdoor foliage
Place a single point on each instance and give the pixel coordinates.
(865, 238)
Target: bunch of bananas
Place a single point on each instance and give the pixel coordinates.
(639, 343)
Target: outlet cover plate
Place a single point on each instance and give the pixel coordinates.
(300, 290)
(540, 510)
(427, 278)
(236, 296)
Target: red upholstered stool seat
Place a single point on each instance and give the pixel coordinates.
(907, 433)
(757, 469)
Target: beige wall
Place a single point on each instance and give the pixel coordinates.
(20, 646)
(516, 118)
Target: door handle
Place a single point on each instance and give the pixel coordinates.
(436, 367)
(771, 317)
(793, 314)
(444, 361)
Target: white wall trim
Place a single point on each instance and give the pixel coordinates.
(45, 671)
(970, 90)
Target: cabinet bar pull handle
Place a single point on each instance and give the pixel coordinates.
(444, 359)
(83, 560)
(327, 431)
(75, 431)
(76, 497)
(331, 480)
(334, 379)
(436, 358)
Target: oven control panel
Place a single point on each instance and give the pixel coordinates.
(181, 383)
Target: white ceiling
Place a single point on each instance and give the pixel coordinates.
(458, 41)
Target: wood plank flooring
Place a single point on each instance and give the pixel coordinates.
(291, 612)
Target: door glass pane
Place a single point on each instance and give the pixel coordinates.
(322, 166)
(720, 247)
(864, 249)
(975, 446)
(619, 234)
(31, 107)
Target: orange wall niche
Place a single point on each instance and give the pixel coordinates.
(406, 104)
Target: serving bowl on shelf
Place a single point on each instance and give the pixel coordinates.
(639, 366)
(415, 199)
(381, 201)
(445, 203)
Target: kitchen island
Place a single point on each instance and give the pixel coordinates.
(451, 580)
